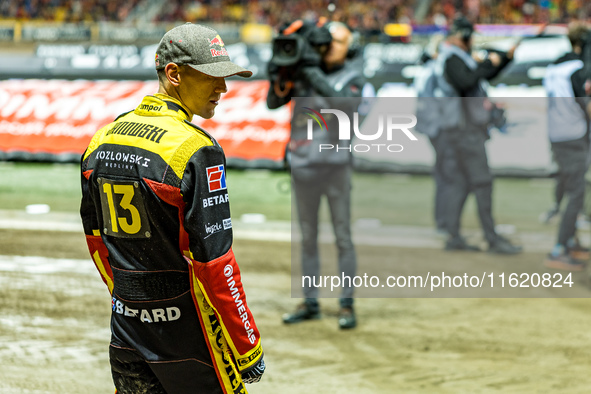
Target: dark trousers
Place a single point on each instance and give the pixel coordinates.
(571, 174)
(439, 210)
(559, 190)
(132, 375)
(465, 170)
(310, 184)
(587, 203)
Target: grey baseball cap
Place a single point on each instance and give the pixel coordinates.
(199, 47)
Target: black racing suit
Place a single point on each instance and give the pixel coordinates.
(156, 215)
(315, 175)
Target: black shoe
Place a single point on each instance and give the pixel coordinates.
(347, 319)
(577, 251)
(502, 246)
(458, 243)
(303, 312)
(563, 262)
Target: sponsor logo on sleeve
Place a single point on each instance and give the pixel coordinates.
(215, 200)
(211, 229)
(216, 178)
(243, 313)
(228, 270)
(227, 223)
(220, 343)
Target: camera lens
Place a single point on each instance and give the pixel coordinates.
(288, 48)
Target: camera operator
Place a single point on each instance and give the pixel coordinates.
(320, 73)
(322, 69)
(428, 96)
(568, 130)
(468, 114)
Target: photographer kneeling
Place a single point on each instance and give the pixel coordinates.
(310, 61)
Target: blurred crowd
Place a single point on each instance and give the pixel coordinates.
(366, 16)
(67, 10)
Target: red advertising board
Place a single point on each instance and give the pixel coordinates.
(55, 119)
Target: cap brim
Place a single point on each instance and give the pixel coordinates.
(222, 69)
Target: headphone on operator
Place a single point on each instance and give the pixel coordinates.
(355, 44)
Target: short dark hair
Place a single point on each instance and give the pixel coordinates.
(161, 75)
(577, 34)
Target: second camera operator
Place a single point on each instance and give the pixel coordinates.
(470, 113)
(310, 61)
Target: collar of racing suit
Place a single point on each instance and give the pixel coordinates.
(162, 105)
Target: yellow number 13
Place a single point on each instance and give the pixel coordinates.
(128, 192)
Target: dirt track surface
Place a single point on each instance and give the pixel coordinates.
(54, 331)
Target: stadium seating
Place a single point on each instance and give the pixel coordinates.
(366, 16)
